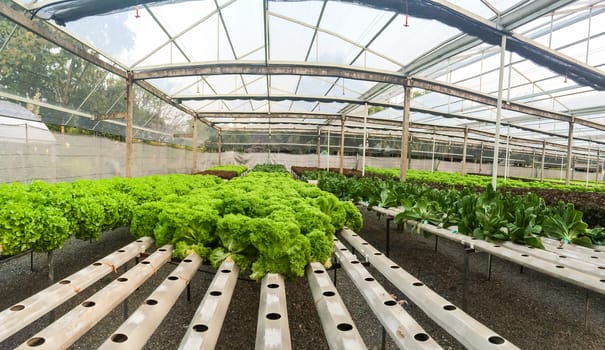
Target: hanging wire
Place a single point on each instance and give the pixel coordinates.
(407, 12)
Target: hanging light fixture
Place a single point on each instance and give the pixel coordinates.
(407, 24)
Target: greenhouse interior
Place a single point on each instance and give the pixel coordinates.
(302, 174)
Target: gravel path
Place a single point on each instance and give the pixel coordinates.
(529, 309)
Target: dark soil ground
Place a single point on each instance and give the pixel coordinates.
(529, 309)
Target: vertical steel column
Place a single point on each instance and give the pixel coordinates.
(481, 159)
(405, 131)
(194, 144)
(328, 158)
(318, 148)
(498, 112)
(364, 140)
(543, 159)
(129, 122)
(569, 150)
(507, 154)
(220, 147)
(464, 147)
(342, 144)
(433, 155)
(588, 164)
(598, 165)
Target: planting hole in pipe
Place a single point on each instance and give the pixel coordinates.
(88, 304)
(145, 262)
(395, 267)
(343, 249)
(139, 241)
(329, 293)
(200, 328)
(122, 279)
(390, 303)
(559, 247)
(496, 340)
(65, 282)
(273, 316)
(365, 243)
(97, 264)
(421, 336)
(594, 257)
(216, 293)
(17, 307)
(354, 262)
(318, 271)
(524, 255)
(187, 260)
(418, 284)
(562, 256)
(344, 327)
(162, 250)
(119, 338)
(560, 267)
(353, 235)
(369, 279)
(377, 253)
(449, 307)
(272, 285)
(603, 281)
(121, 251)
(496, 246)
(36, 341)
(226, 271)
(602, 267)
(597, 251)
(173, 278)
(151, 302)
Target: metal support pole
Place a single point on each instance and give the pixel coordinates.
(342, 145)
(318, 148)
(588, 165)
(51, 266)
(436, 242)
(498, 113)
(328, 156)
(481, 159)
(598, 165)
(405, 131)
(569, 150)
(433, 155)
(467, 253)
(31, 261)
(129, 122)
(507, 155)
(194, 144)
(464, 147)
(543, 159)
(365, 140)
(220, 146)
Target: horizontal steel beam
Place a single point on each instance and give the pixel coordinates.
(271, 68)
(56, 37)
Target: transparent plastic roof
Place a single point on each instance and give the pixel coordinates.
(555, 59)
